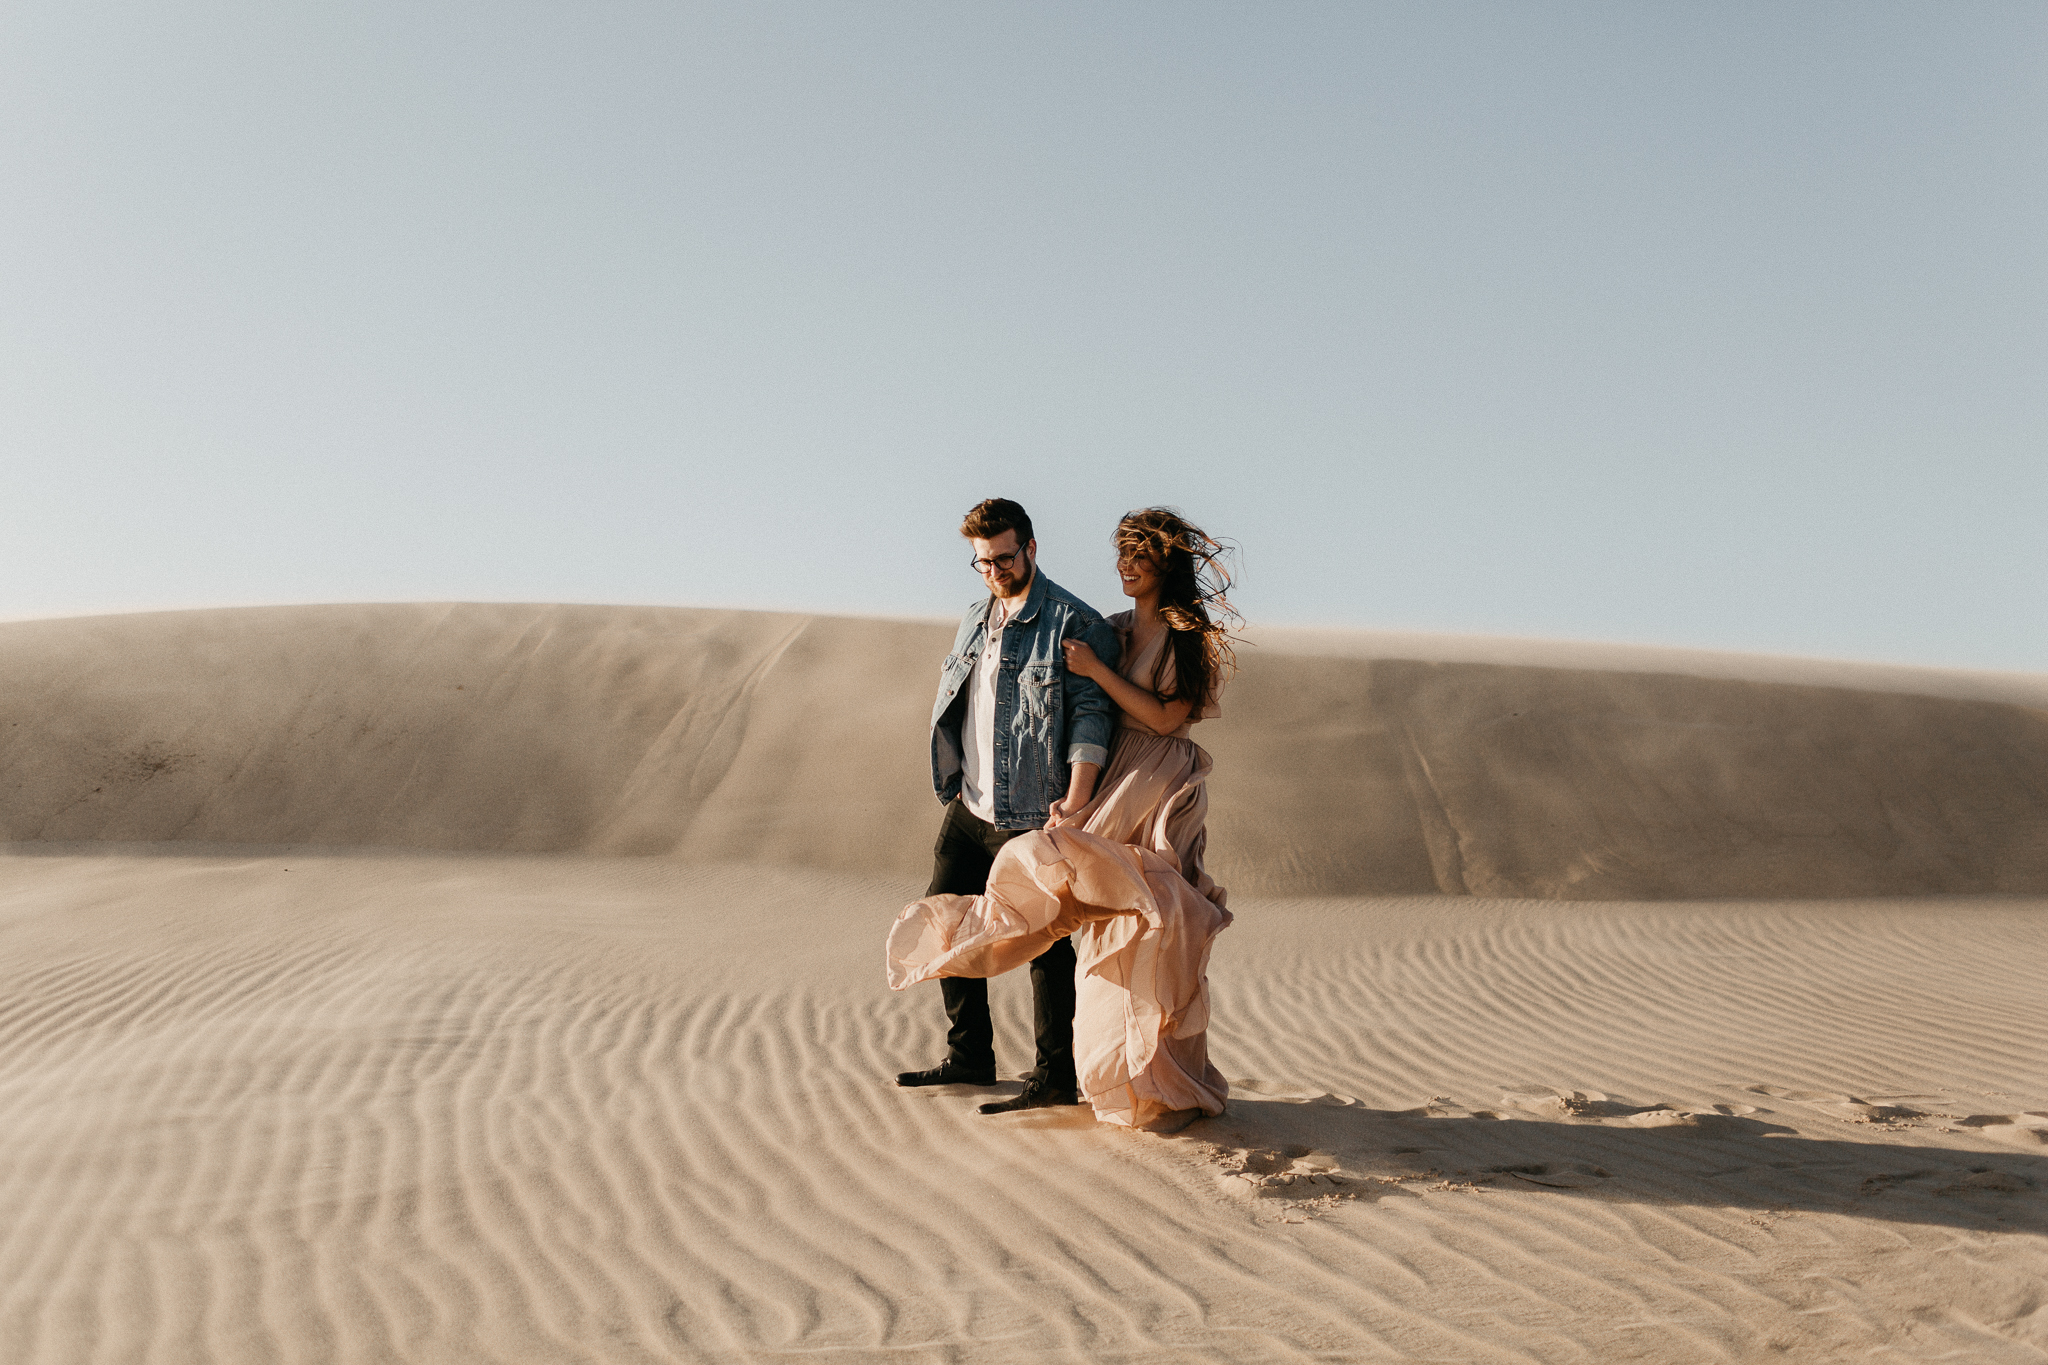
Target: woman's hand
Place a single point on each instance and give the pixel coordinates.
(1080, 791)
(1081, 659)
(1064, 809)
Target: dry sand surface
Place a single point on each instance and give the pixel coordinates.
(504, 984)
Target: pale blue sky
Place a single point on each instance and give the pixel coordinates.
(1721, 325)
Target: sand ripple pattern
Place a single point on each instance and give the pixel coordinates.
(412, 1108)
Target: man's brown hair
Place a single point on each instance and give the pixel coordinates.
(991, 517)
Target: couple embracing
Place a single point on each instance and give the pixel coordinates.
(1074, 828)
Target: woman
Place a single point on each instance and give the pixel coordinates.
(1122, 873)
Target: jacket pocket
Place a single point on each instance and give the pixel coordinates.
(1038, 686)
(953, 673)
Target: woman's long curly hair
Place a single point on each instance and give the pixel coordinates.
(1193, 582)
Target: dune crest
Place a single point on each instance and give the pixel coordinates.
(722, 735)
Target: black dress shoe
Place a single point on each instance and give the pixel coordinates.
(949, 1072)
(1035, 1095)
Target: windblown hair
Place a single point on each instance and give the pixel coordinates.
(991, 517)
(1193, 581)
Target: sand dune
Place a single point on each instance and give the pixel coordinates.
(745, 736)
(342, 1020)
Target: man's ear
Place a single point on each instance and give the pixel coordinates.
(1031, 547)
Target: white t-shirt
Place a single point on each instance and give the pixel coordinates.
(978, 726)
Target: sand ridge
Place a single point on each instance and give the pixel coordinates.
(720, 736)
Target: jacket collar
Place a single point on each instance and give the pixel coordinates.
(1029, 611)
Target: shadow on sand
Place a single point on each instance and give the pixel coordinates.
(1310, 1148)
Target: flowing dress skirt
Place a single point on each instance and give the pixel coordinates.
(1124, 878)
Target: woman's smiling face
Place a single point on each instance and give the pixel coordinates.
(1140, 574)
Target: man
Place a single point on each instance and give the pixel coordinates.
(1016, 739)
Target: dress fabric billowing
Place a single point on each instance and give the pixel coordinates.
(1125, 879)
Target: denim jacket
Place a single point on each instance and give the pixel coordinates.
(1046, 717)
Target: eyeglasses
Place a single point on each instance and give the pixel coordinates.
(1002, 562)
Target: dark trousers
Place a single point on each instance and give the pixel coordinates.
(961, 859)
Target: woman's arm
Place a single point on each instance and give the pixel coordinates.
(1138, 702)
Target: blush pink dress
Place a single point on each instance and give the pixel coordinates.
(1124, 878)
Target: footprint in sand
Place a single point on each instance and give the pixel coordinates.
(1593, 1106)
(1586, 1104)
(1888, 1110)
(1984, 1180)
(2028, 1130)
(1857, 1110)
(1284, 1173)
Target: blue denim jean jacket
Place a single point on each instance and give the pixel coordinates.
(1046, 717)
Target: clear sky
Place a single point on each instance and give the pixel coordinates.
(1721, 325)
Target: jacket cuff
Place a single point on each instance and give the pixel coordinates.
(1088, 753)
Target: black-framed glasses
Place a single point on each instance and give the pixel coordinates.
(1002, 562)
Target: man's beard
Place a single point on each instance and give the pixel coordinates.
(1016, 581)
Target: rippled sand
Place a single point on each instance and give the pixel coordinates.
(277, 1103)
